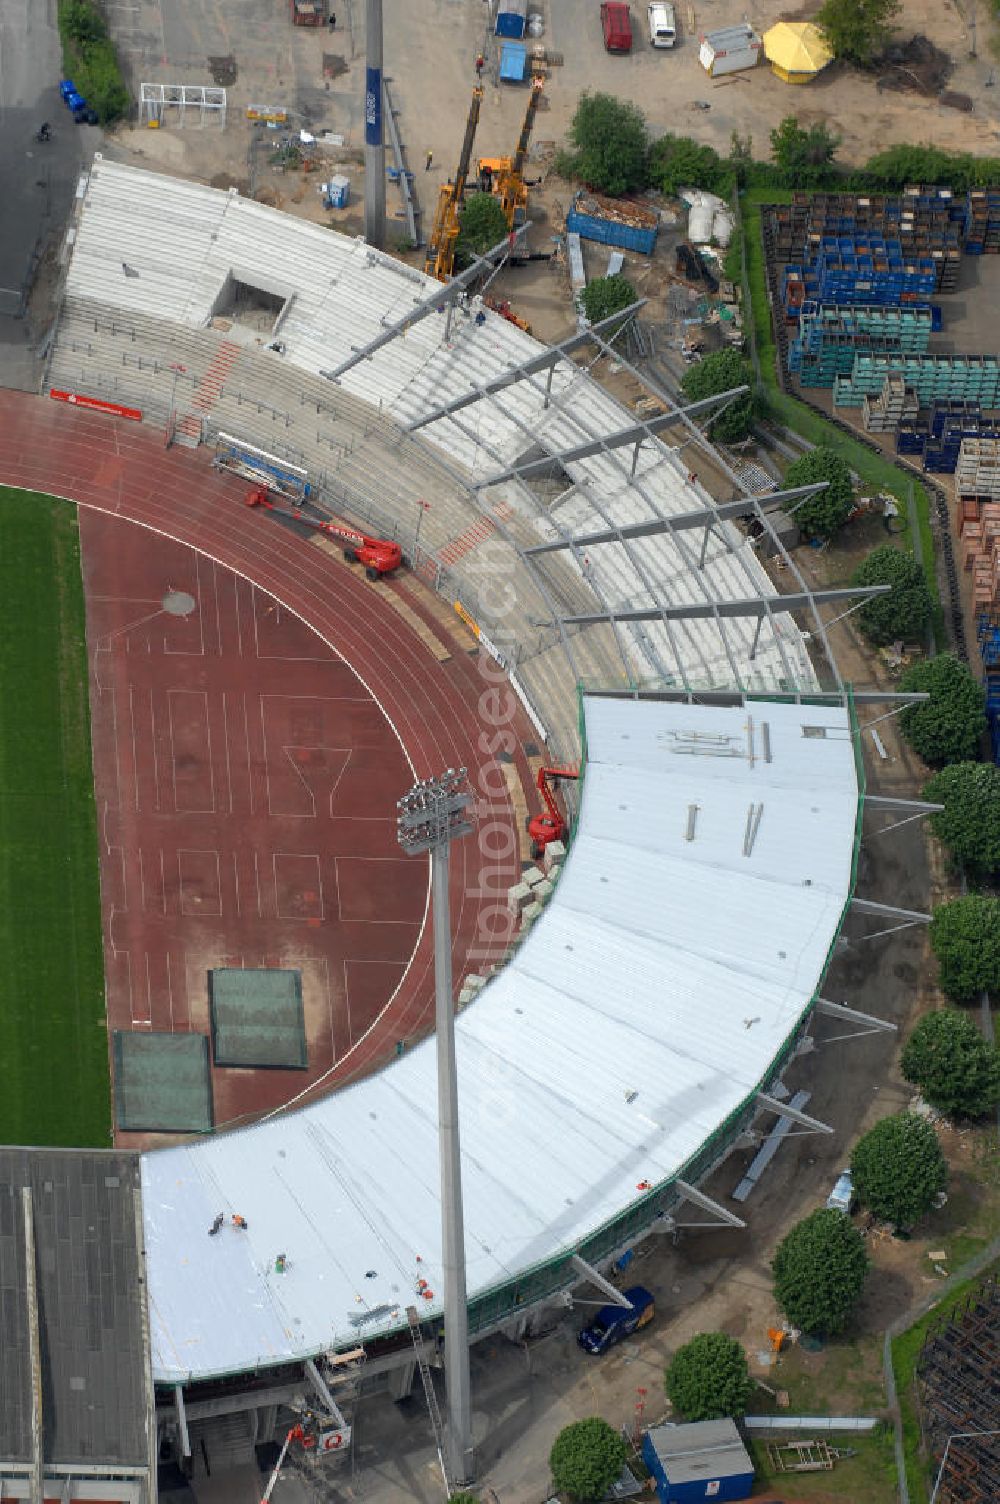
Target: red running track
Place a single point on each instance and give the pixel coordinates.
(123, 471)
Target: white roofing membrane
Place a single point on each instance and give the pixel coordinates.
(643, 1008)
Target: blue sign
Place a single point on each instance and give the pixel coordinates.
(373, 107)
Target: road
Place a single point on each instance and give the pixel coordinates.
(36, 181)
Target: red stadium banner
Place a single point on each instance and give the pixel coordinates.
(76, 399)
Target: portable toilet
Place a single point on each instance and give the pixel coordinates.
(338, 192)
(513, 63)
(511, 18)
(730, 50)
(706, 1460)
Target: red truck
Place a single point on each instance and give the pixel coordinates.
(617, 24)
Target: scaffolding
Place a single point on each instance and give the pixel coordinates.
(958, 1376)
(171, 104)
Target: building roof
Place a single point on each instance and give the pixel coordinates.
(96, 1398)
(731, 38)
(707, 1449)
(643, 1010)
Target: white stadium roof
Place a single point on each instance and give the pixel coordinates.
(642, 1011)
(157, 250)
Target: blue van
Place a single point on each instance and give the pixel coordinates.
(612, 1323)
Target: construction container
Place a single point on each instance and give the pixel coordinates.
(730, 50)
(613, 222)
(511, 18)
(513, 63)
(705, 1460)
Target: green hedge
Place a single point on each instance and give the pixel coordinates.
(90, 60)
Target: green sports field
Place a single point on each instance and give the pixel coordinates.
(53, 1033)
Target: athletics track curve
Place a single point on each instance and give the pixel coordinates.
(123, 470)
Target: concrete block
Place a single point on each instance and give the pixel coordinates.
(553, 853)
(543, 891)
(553, 872)
(529, 915)
(517, 897)
(532, 876)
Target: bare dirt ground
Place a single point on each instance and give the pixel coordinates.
(318, 76)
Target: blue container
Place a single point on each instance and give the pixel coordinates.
(609, 232)
(705, 1460)
(513, 62)
(511, 19)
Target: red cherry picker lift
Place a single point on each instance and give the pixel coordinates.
(380, 556)
(551, 826)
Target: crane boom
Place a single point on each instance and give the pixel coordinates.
(440, 258)
(521, 153)
(504, 176)
(465, 159)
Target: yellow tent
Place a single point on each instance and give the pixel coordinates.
(796, 50)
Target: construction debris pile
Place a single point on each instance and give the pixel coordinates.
(914, 64)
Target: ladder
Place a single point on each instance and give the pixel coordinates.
(427, 1380)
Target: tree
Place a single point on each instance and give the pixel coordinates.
(740, 159)
(898, 1168)
(906, 612)
(81, 22)
(803, 155)
(611, 145)
(607, 295)
(481, 225)
(720, 372)
(677, 162)
(824, 514)
(819, 1270)
(955, 1068)
(969, 824)
(857, 29)
(948, 727)
(708, 1378)
(587, 1458)
(965, 938)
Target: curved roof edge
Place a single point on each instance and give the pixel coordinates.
(619, 1049)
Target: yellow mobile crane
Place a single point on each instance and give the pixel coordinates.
(440, 258)
(504, 176)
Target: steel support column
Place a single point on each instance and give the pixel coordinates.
(37, 1476)
(538, 363)
(605, 1286)
(456, 1313)
(182, 1425)
(443, 297)
(698, 1198)
(620, 439)
(854, 1016)
(887, 911)
(792, 1113)
(753, 606)
(681, 522)
(374, 148)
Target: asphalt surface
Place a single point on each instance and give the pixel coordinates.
(36, 180)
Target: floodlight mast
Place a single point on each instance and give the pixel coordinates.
(429, 818)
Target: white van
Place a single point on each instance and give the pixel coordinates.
(662, 24)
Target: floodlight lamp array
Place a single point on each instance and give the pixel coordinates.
(430, 815)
